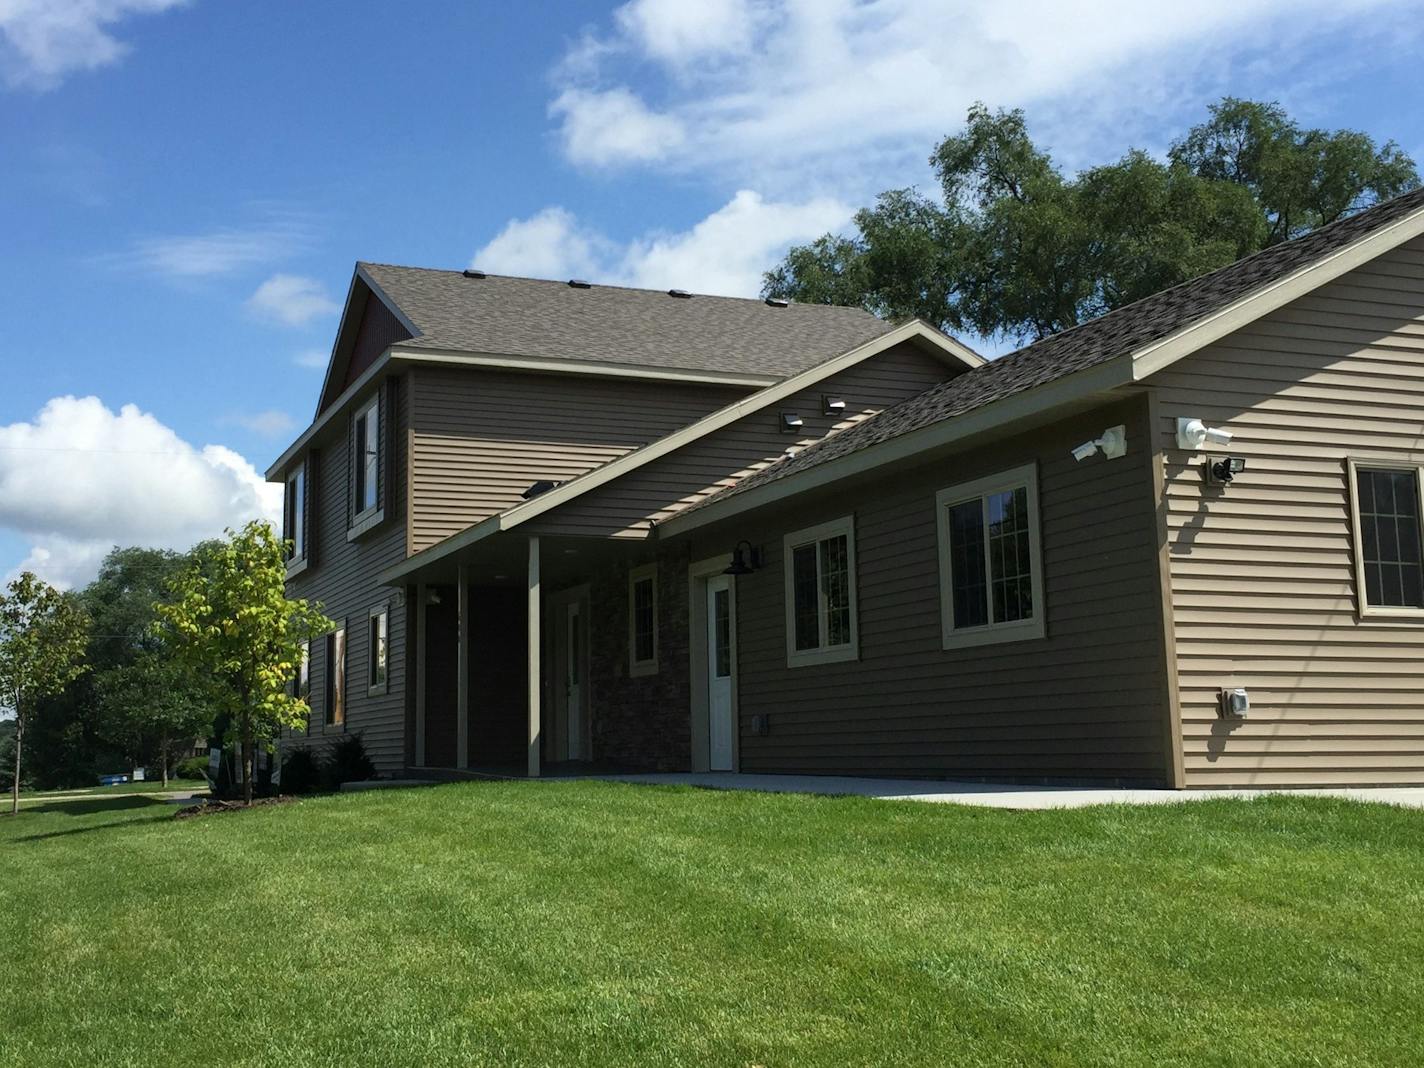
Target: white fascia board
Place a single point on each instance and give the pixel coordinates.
(1020, 406)
(460, 358)
(523, 513)
(1161, 354)
(277, 472)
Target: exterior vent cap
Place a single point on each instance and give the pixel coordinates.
(679, 293)
(777, 302)
(579, 283)
(470, 272)
(538, 489)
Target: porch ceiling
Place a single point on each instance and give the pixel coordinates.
(503, 559)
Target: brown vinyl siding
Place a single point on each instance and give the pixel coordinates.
(479, 439)
(624, 507)
(1085, 702)
(343, 579)
(1262, 572)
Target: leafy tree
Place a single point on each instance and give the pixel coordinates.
(230, 616)
(1014, 248)
(155, 704)
(42, 640)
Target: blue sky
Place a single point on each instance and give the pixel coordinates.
(187, 184)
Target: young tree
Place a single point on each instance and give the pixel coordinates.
(230, 615)
(1014, 248)
(42, 639)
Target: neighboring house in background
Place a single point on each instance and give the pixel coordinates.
(575, 533)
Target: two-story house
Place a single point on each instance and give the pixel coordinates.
(1180, 544)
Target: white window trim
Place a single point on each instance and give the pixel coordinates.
(639, 668)
(990, 633)
(380, 688)
(832, 654)
(364, 520)
(1364, 610)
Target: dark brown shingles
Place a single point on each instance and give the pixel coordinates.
(609, 324)
(1123, 330)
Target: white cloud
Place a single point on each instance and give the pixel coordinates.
(778, 92)
(187, 256)
(41, 41)
(271, 423)
(313, 359)
(724, 254)
(598, 128)
(292, 300)
(80, 478)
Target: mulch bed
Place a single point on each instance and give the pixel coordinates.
(210, 806)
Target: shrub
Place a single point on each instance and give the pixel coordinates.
(194, 767)
(300, 773)
(347, 761)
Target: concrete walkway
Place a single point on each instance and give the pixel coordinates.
(995, 795)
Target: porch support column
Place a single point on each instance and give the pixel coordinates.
(420, 673)
(535, 673)
(462, 684)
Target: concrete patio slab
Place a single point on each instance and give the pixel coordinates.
(996, 795)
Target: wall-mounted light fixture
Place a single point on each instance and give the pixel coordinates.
(1113, 443)
(1192, 434)
(1233, 703)
(432, 596)
(832, 405)
(1224, 471)
(791, 423)
(744, 563)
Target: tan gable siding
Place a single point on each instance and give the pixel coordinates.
(1262, 572)
(624, 507)
(343, 579)
(1087, 701)
(480, 438)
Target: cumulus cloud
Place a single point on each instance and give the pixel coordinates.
(769, 89)
(271, 423)
(722, 254)
(42, 41)
(80, 478)
(292, 300)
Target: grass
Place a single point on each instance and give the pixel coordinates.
(592, 923)
(118, 789)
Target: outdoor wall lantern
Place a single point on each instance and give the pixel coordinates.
(744, 563)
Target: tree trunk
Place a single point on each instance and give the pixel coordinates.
(19, 740)
(247, 762)
(163, 758)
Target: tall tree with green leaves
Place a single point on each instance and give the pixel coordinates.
(1013, 248)
(155, 705)
(42, 640)
(228, 613)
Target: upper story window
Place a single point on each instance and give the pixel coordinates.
(990, 570)
(819, 567)
(367, 466)
(295, 513)
(643, 620)
(1389, 547)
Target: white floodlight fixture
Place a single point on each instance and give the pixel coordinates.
(1192, 434)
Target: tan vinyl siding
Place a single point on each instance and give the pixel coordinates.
(624, 507)
(479, 439)
(1262, 572)
(343, 580)
(1085, 702)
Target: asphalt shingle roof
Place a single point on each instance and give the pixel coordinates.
(1120, 331)
(610, 324)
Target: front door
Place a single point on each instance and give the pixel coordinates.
(573, 676)
(719, 673)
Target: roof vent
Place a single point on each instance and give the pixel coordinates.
(777, 302)
(470, 272)
(579, 283)
(679, 293)
(538, 489)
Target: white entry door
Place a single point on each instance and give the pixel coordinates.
(720, 682)
(573, 644)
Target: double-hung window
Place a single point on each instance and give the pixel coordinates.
(819, 567)
(990, 566)
(1389, 546)
(377, 651)
(366, 465)
(643, 620)
(295, 513)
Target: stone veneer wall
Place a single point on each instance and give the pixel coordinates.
(641, 723)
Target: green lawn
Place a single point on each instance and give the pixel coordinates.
(153, 786)
(591, 923)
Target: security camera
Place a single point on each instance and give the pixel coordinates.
(1192, 434)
